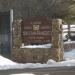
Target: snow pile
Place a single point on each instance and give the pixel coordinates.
(5, 61)
(8, 64)
(37, 46)
(51, 61)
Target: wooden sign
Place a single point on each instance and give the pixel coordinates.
(36, 30)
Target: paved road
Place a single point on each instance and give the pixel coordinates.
(43, 71)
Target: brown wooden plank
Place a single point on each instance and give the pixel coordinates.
(34, 28)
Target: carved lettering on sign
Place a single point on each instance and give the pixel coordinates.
(36, 30)
(31, 33)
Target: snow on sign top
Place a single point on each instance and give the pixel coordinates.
(36, 30)
(37, 46)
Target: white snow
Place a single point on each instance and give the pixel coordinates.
(23, 74)
(51, 61)
(5, 61)
(37, 46)
(69, 41)
(8, 64)
(64, 26)
(70, 54)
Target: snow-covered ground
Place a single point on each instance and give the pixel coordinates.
(68, 56)
(69, 41)
(8, 64)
